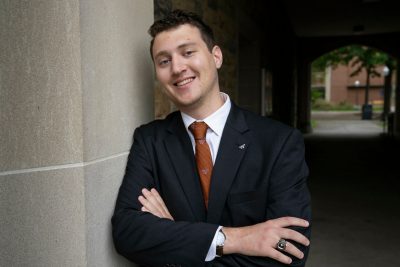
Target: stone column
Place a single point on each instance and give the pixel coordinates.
(397, 103)
(75, 80)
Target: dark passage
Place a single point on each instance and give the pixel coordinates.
(355, 187)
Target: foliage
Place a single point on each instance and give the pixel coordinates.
(361, 57)
(316, 94)
(323, 105)
(313, 124)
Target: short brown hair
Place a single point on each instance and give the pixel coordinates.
(177, 18)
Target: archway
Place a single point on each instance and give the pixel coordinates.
(310, 48)
(350, 84)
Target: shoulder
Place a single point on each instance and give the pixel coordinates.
(159, 126)
(266, 129)
(257, 122)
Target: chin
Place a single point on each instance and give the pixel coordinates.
(185, 103)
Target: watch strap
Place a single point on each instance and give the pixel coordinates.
(220, 247)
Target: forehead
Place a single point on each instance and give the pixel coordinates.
(176, 37)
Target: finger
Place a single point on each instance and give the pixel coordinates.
(157, 196)
(276, 255)
(152, 199)
(142, 200)
(144, 209)
(293, 250)
(295, 236)
(155, 204)
(149, 206)
(159, 199)
(290, 221)
(161, 202)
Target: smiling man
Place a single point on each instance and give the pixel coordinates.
(212, 184)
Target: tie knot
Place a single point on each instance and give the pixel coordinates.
(198, 129)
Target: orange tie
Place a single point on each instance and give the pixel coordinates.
(203, 157)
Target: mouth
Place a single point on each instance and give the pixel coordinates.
(184, 81)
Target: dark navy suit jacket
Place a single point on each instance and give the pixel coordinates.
(259, 174)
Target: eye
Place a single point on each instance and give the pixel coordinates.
(164, 62)
(188, 53)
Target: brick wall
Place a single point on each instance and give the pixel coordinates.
(341, 81)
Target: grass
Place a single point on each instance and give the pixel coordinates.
(313, 124)
(322, 105)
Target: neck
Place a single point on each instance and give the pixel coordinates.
(205, 108)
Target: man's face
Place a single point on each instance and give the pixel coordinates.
(186, 69)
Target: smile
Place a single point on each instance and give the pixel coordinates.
(184, 82)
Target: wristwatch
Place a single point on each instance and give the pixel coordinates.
(221, 237)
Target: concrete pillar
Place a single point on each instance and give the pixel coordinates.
(397, 103)
(328, 83)
(75, 80)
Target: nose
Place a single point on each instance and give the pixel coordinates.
(178, 66)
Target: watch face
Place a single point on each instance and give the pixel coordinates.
(220, 238)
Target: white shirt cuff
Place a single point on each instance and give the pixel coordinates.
(212, 251)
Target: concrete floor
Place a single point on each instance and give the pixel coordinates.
(355, 187)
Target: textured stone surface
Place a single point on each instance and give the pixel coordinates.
(161, 8)
(102, 181)
(42, 219)
(75, 80)
(40, 93)
(117, 74)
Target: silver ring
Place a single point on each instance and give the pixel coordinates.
(281, 245)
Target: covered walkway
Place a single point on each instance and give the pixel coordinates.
(355, 187)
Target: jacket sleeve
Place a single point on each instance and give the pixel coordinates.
(288, 195)
(288, 192)
(144, 238)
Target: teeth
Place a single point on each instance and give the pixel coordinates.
(188, 80)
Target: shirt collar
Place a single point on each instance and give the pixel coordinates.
(216, 121)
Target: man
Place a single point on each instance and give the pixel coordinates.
(235, 196)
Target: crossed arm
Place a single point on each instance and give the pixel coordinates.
(140, 235)
(255, 240)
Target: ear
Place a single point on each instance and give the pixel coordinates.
(217, 55)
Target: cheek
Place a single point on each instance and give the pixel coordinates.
(162, 76)
(198, 64)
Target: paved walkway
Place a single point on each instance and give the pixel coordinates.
(345, 123)
(354, 185)
(339, 127)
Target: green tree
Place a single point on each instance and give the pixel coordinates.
(360, 57)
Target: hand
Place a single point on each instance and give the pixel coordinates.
(261, 239)
(153, 203)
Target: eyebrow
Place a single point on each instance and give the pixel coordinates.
(164, 52)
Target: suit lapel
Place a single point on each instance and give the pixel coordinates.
(181, 155)
(234, 143)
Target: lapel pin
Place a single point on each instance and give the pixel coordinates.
(242, 146)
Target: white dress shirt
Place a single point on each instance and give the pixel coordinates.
(216, 123)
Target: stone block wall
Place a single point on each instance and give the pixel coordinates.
(75, 82)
